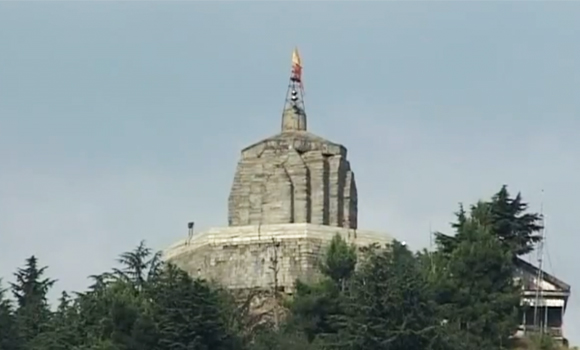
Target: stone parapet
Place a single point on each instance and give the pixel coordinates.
(246, 257)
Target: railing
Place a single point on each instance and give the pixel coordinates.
(554, 332)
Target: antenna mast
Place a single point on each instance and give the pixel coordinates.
(432, 267)
(430, 236)
(538, 322)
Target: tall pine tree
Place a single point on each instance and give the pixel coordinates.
(316, 307)
(506, 217)
(30, 291)
(188, 313)
(388, 305)
(115, 313)
(8, 336)
(62, 332)
(474, 286)
(472, 272)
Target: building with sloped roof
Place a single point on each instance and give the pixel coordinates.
(545, 298)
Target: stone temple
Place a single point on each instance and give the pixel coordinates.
(291, 194)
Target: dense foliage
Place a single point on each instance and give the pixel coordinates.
(462, 295)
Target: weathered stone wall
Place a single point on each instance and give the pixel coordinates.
(246, 257)
(294, 119)
(294, 177)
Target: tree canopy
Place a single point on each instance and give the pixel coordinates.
(462, 295)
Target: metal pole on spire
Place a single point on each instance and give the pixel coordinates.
(294, 115)
(295, 96)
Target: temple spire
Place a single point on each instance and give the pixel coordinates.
(294, 115)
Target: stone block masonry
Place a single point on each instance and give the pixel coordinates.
(242, 257)
(294, 177)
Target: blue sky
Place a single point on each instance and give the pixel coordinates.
(122, 121)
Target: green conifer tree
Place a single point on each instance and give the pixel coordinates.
(189, 313)
(505, 217)
(8, 332)
(317, 306)
(475, 289)
(389, 305)
(30, 291)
